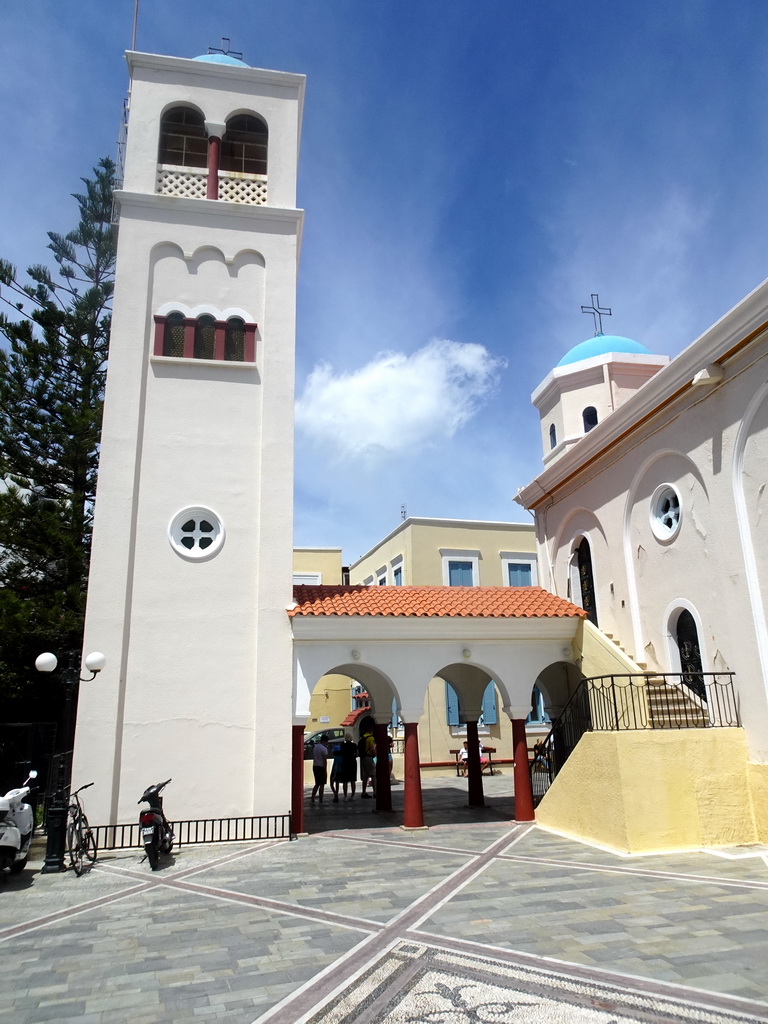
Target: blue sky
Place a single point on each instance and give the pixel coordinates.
(471, 172)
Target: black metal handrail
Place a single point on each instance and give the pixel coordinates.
(634, 701)
(200, 830)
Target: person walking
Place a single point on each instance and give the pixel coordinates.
(320, 767)
(349, 765)
(366, 748)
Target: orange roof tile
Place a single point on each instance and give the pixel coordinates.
(353, 716)
(425, 602)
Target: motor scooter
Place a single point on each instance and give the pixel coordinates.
(156, 833)
(17, 823)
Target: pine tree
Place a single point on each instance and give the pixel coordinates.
(52, 374)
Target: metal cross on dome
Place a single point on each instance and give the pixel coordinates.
(597, 313)
(226, 51)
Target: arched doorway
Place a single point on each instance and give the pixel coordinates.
(586, 579)
(687, 640)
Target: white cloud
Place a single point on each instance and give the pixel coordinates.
(397, 403)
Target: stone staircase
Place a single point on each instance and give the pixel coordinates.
(669, 706)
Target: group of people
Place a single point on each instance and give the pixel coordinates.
(344, 755)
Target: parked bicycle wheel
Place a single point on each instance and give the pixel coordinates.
(75, 848)
(89, 840)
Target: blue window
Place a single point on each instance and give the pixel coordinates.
(488, 715)
(519, 574)
(451, 705)
(489, 705)
(397, 576)
(460, 574)
(538, 715)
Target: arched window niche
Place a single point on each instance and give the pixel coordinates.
(183, 141)
(589, 418)
(552, 435)
(173, 335)
(244, 146)
(205, 337)
(234, 340)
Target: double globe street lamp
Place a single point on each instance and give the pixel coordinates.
(57, 812)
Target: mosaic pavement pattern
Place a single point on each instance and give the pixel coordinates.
(467, 923)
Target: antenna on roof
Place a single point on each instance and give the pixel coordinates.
(226, 51)
(403, 512)
(135, 22)
(597, 313)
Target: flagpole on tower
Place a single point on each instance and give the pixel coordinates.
(135, 22)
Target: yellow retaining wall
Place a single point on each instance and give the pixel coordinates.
(758, 782)
(643, 792)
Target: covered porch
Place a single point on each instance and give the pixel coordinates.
(394, 640)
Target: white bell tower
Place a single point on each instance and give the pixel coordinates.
(191, 564)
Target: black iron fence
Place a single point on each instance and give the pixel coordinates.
(200, 830)
(648, 700)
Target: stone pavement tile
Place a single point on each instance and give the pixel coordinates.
(156, 939)
(540, 843)
(590, 917)
(352, 879)
(473, 838)
(31, 895)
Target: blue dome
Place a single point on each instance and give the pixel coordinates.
(222, 58)
(600, 345)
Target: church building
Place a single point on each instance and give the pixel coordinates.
(649, 580)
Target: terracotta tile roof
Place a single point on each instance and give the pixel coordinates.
(425, 602)
(355, 715)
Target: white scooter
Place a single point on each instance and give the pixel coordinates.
(17, 823)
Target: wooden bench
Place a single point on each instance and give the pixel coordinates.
(486, 768)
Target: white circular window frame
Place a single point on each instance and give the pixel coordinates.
(175, 534)
(659, 530)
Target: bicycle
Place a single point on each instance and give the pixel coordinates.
(81, 843)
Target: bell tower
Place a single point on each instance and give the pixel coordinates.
(191, 564)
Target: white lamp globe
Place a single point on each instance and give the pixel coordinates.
(96, 661)
(46, 662)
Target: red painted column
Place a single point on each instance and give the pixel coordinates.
(383, 787)
(189, 337)
(219, 339)
(297, 780)
(413, 816)
(214, 152)
(159, 334)
(475, 795)
(523, 791)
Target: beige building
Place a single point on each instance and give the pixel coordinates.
(457, 552)
(336, 695)
(451, 552)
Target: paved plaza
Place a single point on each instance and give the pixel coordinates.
(472, 921)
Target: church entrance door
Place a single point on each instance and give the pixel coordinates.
(687, 637)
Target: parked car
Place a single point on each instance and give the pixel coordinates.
(334, 736)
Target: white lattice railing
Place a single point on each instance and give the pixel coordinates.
(190, 183)
(242, 190)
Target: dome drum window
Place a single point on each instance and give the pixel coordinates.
(589, 418)
(205, 338)
(196, 533)
(665, 512)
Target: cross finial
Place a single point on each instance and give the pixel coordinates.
(597, 313)
(225, 49)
